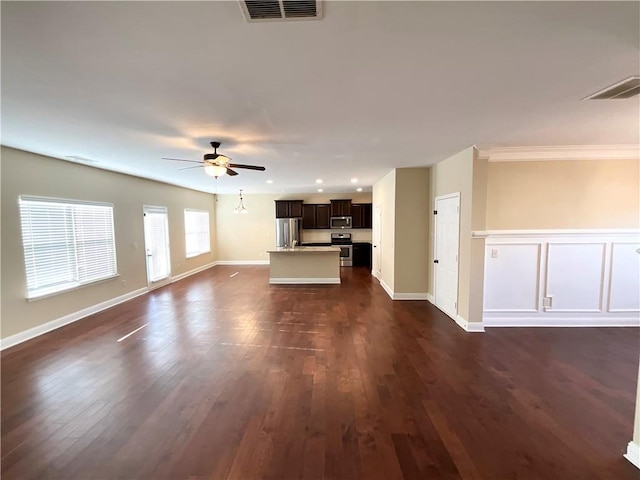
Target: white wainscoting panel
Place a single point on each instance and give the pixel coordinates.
(624, 289)
(562, 278)
(575, 275)
(511, 277)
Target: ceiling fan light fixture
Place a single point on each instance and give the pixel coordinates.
(241, 208)
(215, 170)
(215, 164)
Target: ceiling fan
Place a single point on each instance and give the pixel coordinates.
(215, 164)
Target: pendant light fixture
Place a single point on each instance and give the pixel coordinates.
(240, 208)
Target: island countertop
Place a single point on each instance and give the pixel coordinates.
(304, 250)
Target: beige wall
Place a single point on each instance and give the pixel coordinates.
(384, 195)
(248, 237)
(455, 174)
(245, 237)
(412, 216)
(26, 173)
(404, 197)
(475, 310)
(563, 194)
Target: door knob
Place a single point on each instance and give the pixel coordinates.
(436, 261)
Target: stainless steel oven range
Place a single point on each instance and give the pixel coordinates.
(343, 240)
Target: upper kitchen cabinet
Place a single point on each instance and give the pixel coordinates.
(309, 216)
(315, 216)
(340, 208)
(288, 208)
(361, 214)
(323, 213)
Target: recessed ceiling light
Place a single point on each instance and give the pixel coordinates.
(359, 189)
(354, 180)
(269, 181)
(320, 190)
(319, 180)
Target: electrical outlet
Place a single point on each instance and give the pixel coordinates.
(124, 283)
(494, 253)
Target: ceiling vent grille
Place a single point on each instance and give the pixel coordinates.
(281, 10)
(625, 89)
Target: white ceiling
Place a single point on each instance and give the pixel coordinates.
(370, 87)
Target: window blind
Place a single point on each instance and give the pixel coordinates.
(196, 227)
(66, 244)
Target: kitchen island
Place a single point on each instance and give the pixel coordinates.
(304, 265)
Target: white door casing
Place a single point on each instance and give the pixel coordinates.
(446, 253)
(377, 237)
(156, 239)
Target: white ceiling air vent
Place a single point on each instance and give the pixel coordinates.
(627, 88)
(281, 10)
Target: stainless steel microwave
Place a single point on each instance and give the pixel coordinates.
(340, 222)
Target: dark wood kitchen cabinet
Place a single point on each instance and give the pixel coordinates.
(309, 215)
(340, 208)
(362, 254)
(288, 208)
(315, 216)
(361, 214)
(323, 212)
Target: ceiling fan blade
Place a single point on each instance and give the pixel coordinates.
(250, 167)
(189, 168)
(181, 160)
(231, 173)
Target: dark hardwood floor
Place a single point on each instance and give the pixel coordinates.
(233, 378)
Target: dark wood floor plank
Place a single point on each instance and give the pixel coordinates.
(234, 378)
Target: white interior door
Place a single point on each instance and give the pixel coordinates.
(156, 239)
(377, 235)
(447, 246)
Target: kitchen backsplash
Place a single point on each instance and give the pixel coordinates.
(357, 235)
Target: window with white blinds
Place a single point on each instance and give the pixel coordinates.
(66, 244)
(196, 227)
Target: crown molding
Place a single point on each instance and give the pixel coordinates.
(564, 152)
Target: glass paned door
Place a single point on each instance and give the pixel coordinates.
(156, 239)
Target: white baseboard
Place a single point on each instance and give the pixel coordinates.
(242, 262)
(402, 296)
(410, 296)
(70, 318)
(633, 453)
(469, 326)
(192, 272)
(561, 322)
(386, 288)
(305, 281)
(431, 298)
